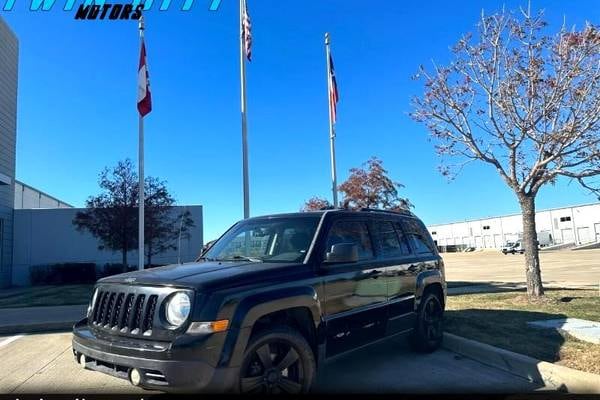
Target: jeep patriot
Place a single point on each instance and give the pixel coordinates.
(268, 304)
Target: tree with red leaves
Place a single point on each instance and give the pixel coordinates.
(316, 204)
(367, 187)
(371, 187)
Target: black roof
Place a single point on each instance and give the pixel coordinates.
(337, 211)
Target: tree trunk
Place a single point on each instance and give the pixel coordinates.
(533, 272)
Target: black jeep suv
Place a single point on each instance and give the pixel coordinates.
(268, 303)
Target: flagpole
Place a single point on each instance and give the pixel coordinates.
(141, 173)
(244, 122)
(331, 128)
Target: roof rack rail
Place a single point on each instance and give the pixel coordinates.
(328, 208)
(402, 212)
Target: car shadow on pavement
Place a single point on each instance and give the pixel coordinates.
(392, 367)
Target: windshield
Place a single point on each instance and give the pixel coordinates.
(284, 239)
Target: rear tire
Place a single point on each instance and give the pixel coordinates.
(277, 361)
(429, 330)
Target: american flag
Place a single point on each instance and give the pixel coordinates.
(246, 31)
(333, 91)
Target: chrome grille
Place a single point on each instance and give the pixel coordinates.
(125, 312)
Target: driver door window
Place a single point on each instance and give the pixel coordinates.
(353, 232)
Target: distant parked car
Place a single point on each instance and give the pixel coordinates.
(544, 239)
(513, 248)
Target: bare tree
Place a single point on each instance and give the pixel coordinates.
(523, 101)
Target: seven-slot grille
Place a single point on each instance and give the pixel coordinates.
(124, 312)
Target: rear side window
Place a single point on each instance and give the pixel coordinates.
(418, 236)
(354, 232)
(392, 244)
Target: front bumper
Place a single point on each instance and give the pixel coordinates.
(163, 366)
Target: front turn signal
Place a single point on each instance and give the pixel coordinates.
(197, 328)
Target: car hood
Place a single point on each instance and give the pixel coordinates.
(200, 274)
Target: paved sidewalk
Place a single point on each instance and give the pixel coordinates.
(39, 319)
(494, 287)
(588, 331)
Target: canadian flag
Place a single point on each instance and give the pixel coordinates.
(144, 98)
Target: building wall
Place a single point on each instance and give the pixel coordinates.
(47, 236)
(8, 127)
(27, 197)
(577, 224)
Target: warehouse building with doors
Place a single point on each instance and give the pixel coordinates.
(576, 225)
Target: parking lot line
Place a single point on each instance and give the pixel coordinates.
(10, 340)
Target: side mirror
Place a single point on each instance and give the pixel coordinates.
(342, 253)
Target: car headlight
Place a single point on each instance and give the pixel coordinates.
(91, 305)
(178, 309)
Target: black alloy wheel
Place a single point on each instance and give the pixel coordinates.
(433, 316)
(429, 332)
(277, 362)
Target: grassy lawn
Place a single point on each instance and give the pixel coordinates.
(500, 319)
(39, 296)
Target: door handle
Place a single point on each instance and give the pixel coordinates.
(375, 273)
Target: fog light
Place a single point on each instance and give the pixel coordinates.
(82, 360)
(135, 377)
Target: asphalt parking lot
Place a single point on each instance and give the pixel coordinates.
(43, 364)
(559, 268)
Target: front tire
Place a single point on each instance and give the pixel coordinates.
(429, 330)
(276, 361)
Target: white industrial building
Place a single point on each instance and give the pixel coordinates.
(577, 224)
(27, 197)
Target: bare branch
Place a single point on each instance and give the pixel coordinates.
(526, 102)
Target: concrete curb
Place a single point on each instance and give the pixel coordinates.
(541, 372)
(37, 328)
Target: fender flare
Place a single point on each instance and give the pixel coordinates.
(253, 307)
(425, 279)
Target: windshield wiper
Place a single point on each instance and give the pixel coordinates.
(244, 258)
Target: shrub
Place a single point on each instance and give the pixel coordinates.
(62, 274)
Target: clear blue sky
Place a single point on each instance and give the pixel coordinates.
(77, 96)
